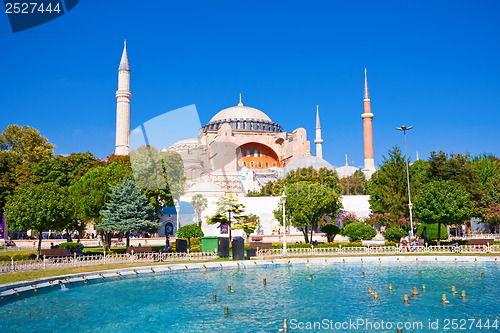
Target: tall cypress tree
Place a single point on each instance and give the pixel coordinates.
(128, 210)
(388, 187)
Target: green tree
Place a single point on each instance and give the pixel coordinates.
(159, 174)
(39, 207)
(119, 159)
(331, 230)
(487, 168)
(8, 178)
(443, 202)
(388, 187)
(91, 192)
(26, 142)
(306, 204)
(322, 176)
(190, 231)
(394, 234)
(355, 184)
(199, 204)
(249, 224)
(228, 209)
(488, 171)
(457, 168)
(127, 210)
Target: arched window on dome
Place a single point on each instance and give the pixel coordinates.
(258, 152)
(252, 164)
(259, 164)
(245, 152)
(274, 164)
(244, 163)
(252, 151)
(267, 164)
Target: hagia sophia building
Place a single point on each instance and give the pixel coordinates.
(240, 149)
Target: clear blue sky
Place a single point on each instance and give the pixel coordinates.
(431, 64)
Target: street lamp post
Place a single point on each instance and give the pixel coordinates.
(410, 205)
(283, 201)
(177, 209)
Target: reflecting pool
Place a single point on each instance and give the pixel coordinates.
(336, 299)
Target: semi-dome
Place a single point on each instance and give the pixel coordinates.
(242, 118)
(306, 162)
(346, 171)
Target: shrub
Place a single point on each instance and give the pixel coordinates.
(432, 231)
(331, 230)
(357, 231)
(190, 231)
(394, 234)
(71, 244)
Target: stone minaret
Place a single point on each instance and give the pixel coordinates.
(318, 141)
(123, 96)
(368, 132)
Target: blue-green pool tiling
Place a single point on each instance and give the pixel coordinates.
(182, 301)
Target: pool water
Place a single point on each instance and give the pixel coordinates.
(337, 294)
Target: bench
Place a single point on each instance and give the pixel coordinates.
(139, 249)
(485, 241)
(55, 253)
(256, 239)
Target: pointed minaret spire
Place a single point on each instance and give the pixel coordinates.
(124, 66)
(123, 96)
(367, 117)
(240, 104)
(366, 94)
(318, 141)
(417, 155)
(346, 163)
(318, 124)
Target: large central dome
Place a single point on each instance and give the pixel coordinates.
(240, 113)
(243, 118)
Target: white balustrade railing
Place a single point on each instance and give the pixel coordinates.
(88, 260)
(381, 250)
